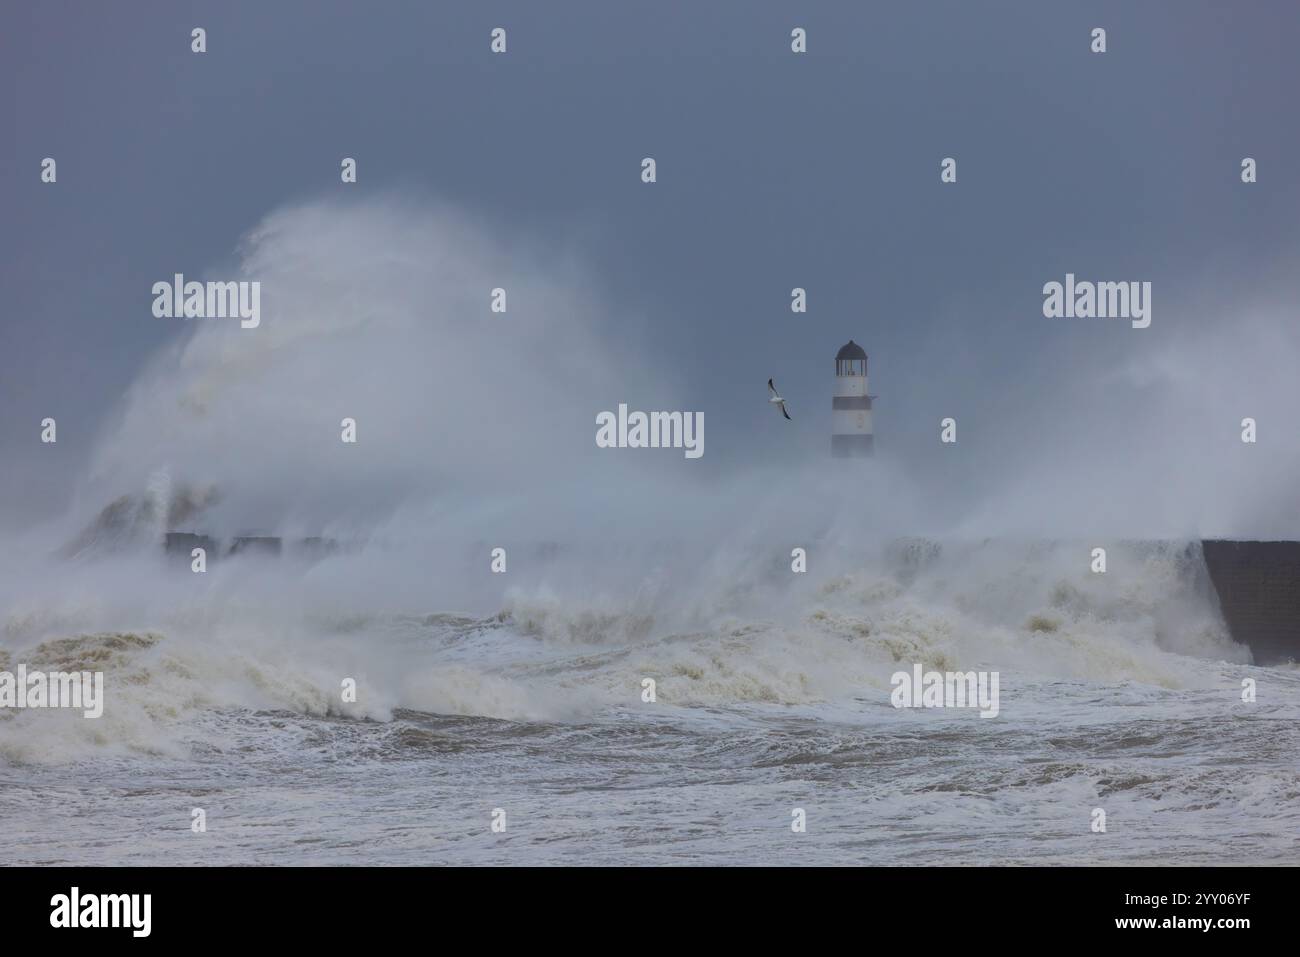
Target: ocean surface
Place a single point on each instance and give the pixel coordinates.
(1120, 691)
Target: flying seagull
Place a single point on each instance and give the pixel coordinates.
(776, 399)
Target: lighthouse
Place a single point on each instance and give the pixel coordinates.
(851, 405)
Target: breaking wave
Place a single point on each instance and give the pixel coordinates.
(266, 638)
(621, 568)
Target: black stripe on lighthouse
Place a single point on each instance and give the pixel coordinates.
(851, 402)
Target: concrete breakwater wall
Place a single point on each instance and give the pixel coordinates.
(1258, 584)
(181, 544)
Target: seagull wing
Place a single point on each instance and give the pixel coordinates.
(770, 386)
(784, 412)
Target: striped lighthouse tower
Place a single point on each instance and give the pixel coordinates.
(851, 406)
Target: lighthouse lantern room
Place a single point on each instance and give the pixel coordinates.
(851, 435)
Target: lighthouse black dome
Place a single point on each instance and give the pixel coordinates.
(851, 351)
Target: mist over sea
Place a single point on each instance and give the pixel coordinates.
(523, 690)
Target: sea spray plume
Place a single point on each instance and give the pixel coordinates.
(140, 521)
(473, 427)
(1143, 440)
(377, 312)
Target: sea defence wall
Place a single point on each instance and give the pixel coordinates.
(179, 545)
(1258, 584)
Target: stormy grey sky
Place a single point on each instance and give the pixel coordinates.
(774, 171)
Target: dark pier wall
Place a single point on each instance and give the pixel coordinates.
(183, 543)
(1259, 591)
